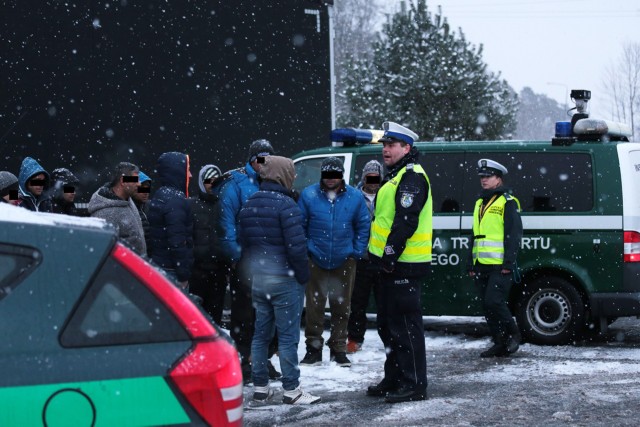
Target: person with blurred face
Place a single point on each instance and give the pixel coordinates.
(64, 188)
(236, 190)
(497, 232)
(113, 203)
(400, 247)
(140, 199)
(367, 275)
(336, 222)
(209, 274)
(9, 188)
(33, 181)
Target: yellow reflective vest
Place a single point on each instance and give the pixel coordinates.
(488, 230)
(418, 246)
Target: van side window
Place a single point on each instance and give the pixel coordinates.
(446, 176)
(16, 263)
(362, 160)
(543, 182)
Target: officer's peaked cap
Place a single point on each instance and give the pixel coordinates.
(395, 132)
(488, 167)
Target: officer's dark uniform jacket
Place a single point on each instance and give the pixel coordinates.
(512, 231)
(406, 220)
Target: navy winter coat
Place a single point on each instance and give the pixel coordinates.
(170, 217)
(271, 234)
(336, 230)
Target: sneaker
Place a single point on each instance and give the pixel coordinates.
(273, 373)
(299, 397)
(353, 347)
(312, 358)
(262, 394)
(340, 358)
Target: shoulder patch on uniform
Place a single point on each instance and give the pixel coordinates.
(389, 250)
(406, 200)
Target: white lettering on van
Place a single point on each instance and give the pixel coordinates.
(445, 259)
(464, 242)
(535, 243)
(437, 243)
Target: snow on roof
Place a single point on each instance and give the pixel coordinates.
(10, 213)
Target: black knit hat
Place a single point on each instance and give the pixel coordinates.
(332, 164)
(260, 148)
(64, 176)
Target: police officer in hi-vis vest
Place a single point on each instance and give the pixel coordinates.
(497, 231)
(400, 244)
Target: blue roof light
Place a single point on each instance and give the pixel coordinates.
(563, 129)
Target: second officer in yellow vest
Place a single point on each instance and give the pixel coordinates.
(497, 231)
(400, 244)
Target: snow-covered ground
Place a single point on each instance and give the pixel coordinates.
(589, 384)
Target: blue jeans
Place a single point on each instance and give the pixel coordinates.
(278, 302)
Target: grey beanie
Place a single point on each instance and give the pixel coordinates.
(8, 181)
(372, 166)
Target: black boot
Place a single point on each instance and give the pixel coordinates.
(513, 339)
(498, 350)
(381, 389)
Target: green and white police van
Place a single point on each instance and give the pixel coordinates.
(580, 200)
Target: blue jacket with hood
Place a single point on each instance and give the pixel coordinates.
(336, 229)
(170, 217)
(42, 203)
(234, 194)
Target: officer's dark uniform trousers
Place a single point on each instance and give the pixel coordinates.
(495, 287)
(402, 332)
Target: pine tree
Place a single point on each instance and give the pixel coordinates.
(431, 79)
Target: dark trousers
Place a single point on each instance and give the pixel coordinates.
(367, 281)
(210, 283)
(494, 288)
(401, 329)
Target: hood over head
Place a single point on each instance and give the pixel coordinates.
(29, 168)
(278, 169)
(172, 170)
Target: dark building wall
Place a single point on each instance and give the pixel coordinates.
(89, 84)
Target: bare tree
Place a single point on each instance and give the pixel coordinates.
(355, 23)
(622, 82)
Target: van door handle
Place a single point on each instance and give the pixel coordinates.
(596, 246)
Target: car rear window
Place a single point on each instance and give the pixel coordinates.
(16, 263)
(118, 309)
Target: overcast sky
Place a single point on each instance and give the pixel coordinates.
(534, 42)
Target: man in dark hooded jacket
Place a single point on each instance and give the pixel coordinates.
(34, 180)
(63, 192)
(170, 218)
(209, 273)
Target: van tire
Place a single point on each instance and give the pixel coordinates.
(550, 311)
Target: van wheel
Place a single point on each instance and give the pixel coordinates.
(550, 311)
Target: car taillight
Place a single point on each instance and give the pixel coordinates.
(209, 375)
(631, 246)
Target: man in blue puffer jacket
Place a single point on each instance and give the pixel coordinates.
(233, 195)
(336, 221)
(170, 218)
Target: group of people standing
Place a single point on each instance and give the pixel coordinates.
(279, 251)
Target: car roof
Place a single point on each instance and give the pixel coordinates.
(15, 214)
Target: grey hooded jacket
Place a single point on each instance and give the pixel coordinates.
(123, 214)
